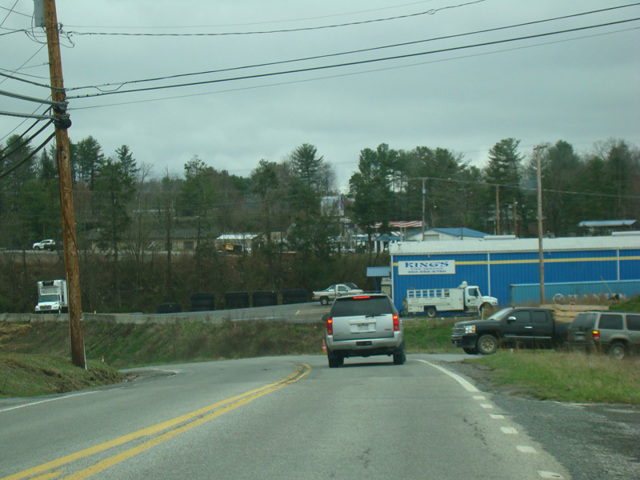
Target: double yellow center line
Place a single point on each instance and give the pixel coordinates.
(157, 434)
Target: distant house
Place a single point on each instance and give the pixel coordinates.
(606, 227)
(382, 242)
(456, 233)
(236, 242)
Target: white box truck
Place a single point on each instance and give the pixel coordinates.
(465, 298)
(52, 296)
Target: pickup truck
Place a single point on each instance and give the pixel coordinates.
(335, 291)
(521, 326)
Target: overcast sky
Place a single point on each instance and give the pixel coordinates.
(581, 86)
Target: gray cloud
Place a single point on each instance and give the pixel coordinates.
(582, 90)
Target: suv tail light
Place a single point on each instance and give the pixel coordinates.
(396, 323)
(329, 326)
(596, 334)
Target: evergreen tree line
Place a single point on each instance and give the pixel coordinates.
(500, 198)
(133, 218)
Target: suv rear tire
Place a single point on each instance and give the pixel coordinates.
(400, 356)
(335, 360)
(617, 350)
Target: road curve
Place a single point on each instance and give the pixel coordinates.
(272, 418)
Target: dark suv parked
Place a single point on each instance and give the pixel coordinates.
(617, 333)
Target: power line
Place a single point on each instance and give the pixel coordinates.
(10, 32)
(291, 30)
(12, 74)
(361, 72)
(350, 52)
(27, 158)
(357, 62)
(2, 150)
(60, 105)
(30, 82)
(10, 11)
(25, 142)
(521, 187)
(32, 115)
(391, 7)
(25, 119)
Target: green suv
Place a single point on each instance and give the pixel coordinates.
(615, 333)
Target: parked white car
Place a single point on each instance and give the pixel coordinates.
(46, 244)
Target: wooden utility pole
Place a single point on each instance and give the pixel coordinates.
(424, 207)
(69, 243)
(497, 209)
(515, 217)
(540, 229)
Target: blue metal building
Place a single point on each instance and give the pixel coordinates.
(496, 264)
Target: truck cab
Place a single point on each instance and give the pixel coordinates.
(472, 298)
(52, 296)
(49, 302)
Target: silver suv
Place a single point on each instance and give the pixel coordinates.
(617, 333)
(362, 325)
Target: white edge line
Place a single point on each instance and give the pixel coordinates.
(46, 401)
(467, 385)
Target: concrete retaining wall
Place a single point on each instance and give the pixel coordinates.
(297, 314)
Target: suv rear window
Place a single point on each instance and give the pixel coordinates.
(584, 320)
(610, 322)
(351, 306)
(633, 322)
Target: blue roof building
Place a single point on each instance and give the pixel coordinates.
(496, 264)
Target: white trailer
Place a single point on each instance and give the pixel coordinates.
(465, 298)
(52, 296)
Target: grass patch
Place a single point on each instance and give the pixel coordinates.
(133, 345)
(631, 305)
(574, 377)
(424, 335)
(25, 375)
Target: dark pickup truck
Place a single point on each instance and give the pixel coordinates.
(522, 326)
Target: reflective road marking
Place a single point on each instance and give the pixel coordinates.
(467, 386)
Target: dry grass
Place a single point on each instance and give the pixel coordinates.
(574, 377)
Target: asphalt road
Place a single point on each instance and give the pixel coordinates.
(274, 418)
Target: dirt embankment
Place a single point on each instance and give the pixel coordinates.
(11, 330)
